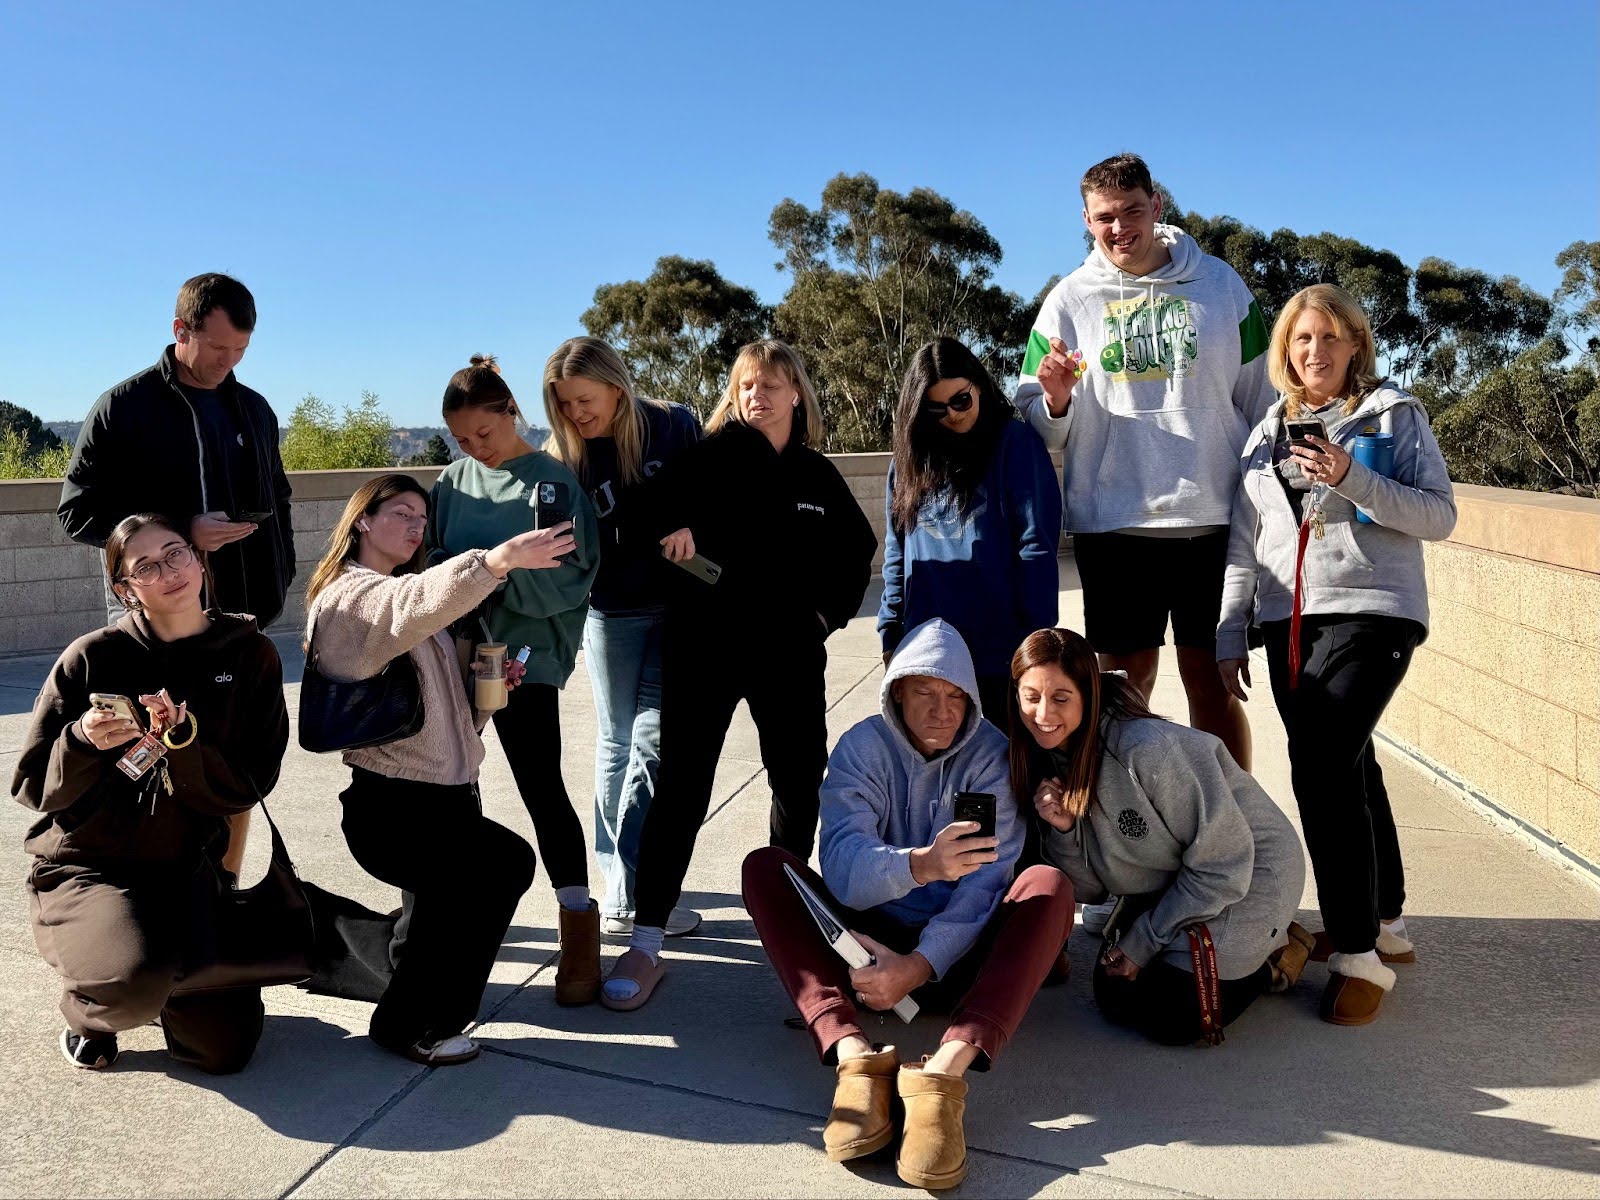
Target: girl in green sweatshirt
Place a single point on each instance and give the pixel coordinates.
(479, 501)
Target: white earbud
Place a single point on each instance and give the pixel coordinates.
(364, 527)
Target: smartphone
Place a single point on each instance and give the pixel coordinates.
(979, 807)
(550, 508)
(1298, 431)
(120, 705)
(255, 518)
(701, 567)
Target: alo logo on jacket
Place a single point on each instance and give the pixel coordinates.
(224, 678)
(1131, 824)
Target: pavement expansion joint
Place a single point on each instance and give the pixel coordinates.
(359, 1131)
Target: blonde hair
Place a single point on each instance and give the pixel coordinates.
(1340, 307)
(344, 541)
(769, 352)
(591, 358)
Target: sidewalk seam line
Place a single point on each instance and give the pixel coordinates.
(557, 1065)
(350, 1138)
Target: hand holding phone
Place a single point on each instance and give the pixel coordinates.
(551, 507)
(110, 722)
(1304, 427)
(255, 518)
(698, 565)
(979, 807)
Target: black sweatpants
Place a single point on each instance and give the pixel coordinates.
(117, 941)
(704, 674)
(530, 732)
(1350, 667)
(1163, 1004)
(464, 875)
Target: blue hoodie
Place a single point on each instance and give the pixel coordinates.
(991, 571)
(882, 799)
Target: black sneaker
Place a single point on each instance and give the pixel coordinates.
(91, 1053)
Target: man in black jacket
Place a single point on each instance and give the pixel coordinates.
(185, 438)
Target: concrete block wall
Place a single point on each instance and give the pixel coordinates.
(1505, 693)
(50, 589)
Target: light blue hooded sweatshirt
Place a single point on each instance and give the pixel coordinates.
(882, 799)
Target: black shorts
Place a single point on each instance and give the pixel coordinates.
(1132, 584)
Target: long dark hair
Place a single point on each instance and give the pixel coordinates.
(928, 457)
(1104, 695)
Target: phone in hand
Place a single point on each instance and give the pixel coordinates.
(255, 518)
(119, 705)
(701, 567)
(1300, 429)
(551, 506)
(979, 807)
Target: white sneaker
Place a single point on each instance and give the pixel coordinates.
(445, 1052)
(680, 922)
(1095, 916)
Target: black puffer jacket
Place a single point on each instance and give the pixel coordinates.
(141, 450)
(90, 812)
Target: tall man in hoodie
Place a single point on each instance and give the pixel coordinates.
(932, 902)
(1168, 378)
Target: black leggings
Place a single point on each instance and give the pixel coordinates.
(530, 733)
(1350, 667)
(703, 678)
(463, 874)
(1162, 1002)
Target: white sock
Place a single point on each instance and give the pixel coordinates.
(573, 899)
(1396, 927)
(646, 939)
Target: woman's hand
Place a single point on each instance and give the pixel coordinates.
(104, 730)
(678, 546)
(1118, 965)
(164, 714)
(891, 978)
(1050, 802)
(954, 854)
(536, 550)
(1059, 373)
(514, 673)
(1235, 674)
(1328, 463)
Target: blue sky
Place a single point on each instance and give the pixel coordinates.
(404, 184)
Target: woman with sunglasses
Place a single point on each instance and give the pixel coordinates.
(974, 518)
(119, 852)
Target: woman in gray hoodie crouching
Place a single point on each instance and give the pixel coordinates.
(1208, 869)
(1326, 557)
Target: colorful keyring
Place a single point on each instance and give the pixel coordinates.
(194, 732)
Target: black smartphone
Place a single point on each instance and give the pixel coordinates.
(979, 807)
(255, 518)
(1299, 430)
(551, 507)
(700, 567)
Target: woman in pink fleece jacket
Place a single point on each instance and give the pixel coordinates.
(412, 815)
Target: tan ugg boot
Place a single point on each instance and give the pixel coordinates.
(933, 1147)
(578, 973)
(1356, 988)
(860, 1122)
(1288, 960)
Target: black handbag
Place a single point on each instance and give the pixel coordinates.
(257, 937)
(335, 715)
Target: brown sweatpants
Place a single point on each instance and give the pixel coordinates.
(117, 945)
(987, 992)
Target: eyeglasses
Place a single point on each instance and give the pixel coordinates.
(960, 402)
(175, 560)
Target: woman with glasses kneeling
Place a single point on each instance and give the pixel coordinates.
(974, 517)
(1208, 869)
(412, 814)
(128, 817)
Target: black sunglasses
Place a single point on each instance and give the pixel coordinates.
(960, 402)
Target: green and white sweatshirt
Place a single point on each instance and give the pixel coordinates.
(1176, 379)
(476, 508)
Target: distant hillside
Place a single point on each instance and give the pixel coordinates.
(405, 441)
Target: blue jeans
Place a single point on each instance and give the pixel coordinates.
(623, 653)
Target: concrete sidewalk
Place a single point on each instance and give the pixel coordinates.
(1482, 1077)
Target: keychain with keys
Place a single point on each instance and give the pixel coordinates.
(1317, 526)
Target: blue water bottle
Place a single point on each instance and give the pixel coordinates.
(1375, 451)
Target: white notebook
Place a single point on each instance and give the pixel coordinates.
(843, 942)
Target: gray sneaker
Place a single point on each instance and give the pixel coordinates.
(682, 921)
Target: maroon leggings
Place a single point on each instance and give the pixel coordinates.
(986, 992)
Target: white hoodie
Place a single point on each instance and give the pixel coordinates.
(1176, 378)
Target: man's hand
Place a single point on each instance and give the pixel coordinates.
(213, 530)
(954, 854)
(891, 978)
(1059, 373)
(1235, 674)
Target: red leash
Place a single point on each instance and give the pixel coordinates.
(1203, 953)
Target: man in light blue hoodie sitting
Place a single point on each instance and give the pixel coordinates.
(934, 904)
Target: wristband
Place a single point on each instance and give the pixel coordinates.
(194, 732)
